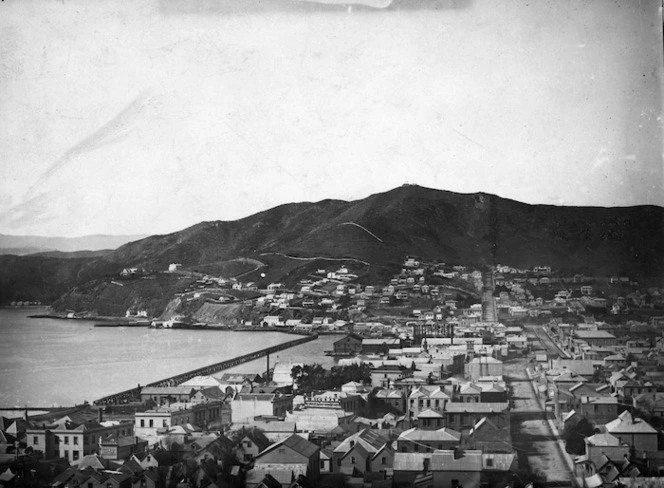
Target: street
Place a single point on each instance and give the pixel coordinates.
(532, 437)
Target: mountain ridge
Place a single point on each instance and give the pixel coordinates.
(476, 229)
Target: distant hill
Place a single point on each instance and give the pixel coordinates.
(20, 245)
(456, 228)
(380, 230)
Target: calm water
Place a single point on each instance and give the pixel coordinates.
(46, 362)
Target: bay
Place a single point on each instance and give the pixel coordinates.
(51, 362)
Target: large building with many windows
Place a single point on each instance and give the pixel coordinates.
(71, 441)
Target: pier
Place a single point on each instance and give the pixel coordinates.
(133, 394)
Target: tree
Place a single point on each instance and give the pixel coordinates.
(575, 435)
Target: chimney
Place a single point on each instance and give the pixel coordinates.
(101, 414)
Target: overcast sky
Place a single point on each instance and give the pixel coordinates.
(130, 117)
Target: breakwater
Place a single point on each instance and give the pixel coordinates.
(133, 394)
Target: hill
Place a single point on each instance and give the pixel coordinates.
(31, 244)
(434, 224)
(375, 233)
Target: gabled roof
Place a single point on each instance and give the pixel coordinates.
(372, 440)
(385, 393)
(605, 439)
(441, 435)
(296, 443)
(470, 389)
(626, 424)
(429, 414)
(483, 423)
(257, 437)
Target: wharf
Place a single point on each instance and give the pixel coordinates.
(133, 394)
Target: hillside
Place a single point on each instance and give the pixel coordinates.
(374, 234)
(383, 228)
(10, 244)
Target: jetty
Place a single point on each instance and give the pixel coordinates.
(134, 394)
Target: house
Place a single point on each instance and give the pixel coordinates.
(160, 395)
(468, 393)
(488, 437)
(369, 450)
(599, 448)
(599, 338)
(154, 421)
(287, 460)
(420, 440)
(72, 441)
(429, 419)
(116, 448)
(275, 430)
(453, 468)
(426, 397)
(246, 406)
(348, 345)
(319, 419)
(390, 400)
(250, 443)
(483, 366)
(385, 376)
(349, 402)
(634, 431)
(272, 321)
(461, 416)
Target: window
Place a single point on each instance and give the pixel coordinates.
(35, 440)
(248, 443)
(66, 455)
(322, 464)
(164, 423)
(339, 462)
(142, 422)
(75, 439)
(151, 423)
(66, 439)
(383, 460)
(75, 455)
(352, 460)
(489, 462)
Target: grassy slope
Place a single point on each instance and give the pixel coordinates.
(472, 229)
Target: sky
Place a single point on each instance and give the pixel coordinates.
(146, 117)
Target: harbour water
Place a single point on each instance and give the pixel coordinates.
(50, 362)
